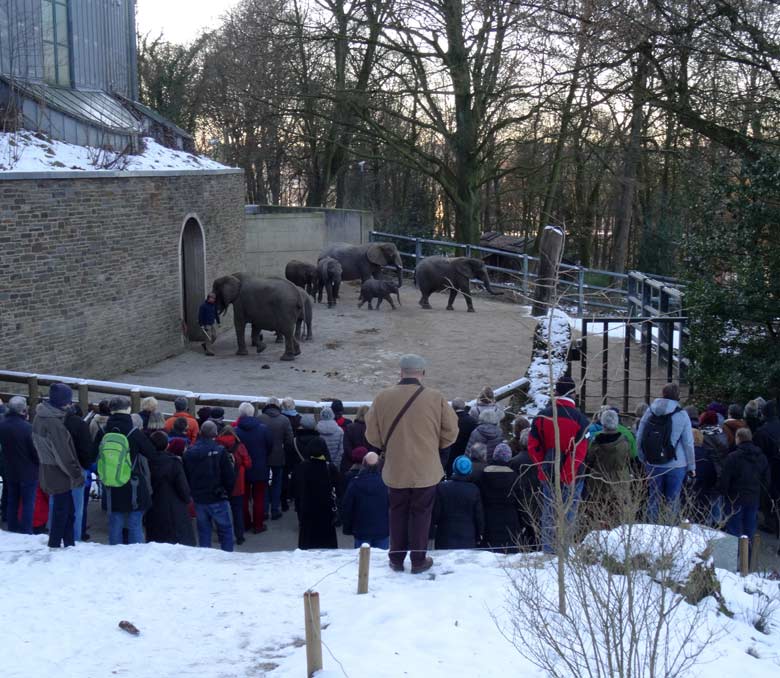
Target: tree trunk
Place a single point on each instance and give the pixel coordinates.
(550, 252)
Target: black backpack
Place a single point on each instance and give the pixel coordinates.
(657, 445)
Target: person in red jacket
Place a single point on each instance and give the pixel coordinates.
(572, 429)
(241, 462)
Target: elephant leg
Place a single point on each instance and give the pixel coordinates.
(361, 301)
(379, 302)
(298, 325)
(290, 345)
(309, 335)
(390, 301)
(453, 294)
(336, 291)
(469, 303)
(240, 340)
(424, 300)
(279, 338)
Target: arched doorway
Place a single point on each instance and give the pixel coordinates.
(193, 275)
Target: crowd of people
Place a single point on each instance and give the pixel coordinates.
(411, 468)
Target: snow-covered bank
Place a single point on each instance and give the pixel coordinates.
(28, 152)
(206, 613)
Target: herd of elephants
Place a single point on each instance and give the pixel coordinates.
(285, 305)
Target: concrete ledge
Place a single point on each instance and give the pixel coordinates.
(114, 174)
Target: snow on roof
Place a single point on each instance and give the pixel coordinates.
(29, 152)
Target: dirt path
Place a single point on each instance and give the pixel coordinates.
(355, 352)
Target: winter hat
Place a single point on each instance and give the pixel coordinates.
(458, 404)
(502, 453)
(412, 363)
(708, 418)
(159, 440)
(288, 407)
(358, 453)
(718, 408)
(209, 430)
(337, 406)
(177, 446)
(462, 466)
(564, 386)
(327, 414)
(371, 459)
(60, 395)
(308, 422)
(204, 413)
(217, 414)
(609, 420)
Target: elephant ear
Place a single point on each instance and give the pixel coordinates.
(376, 255)
(227, 289)
(464, 266)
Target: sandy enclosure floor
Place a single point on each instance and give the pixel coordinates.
(355, 352)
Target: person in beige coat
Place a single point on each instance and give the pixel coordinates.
(412, 464)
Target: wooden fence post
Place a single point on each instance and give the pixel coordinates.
(311, 610)
(84, 398)
(135, 400)
(191, 405)
(363, 563)
(744, 549)
(33, 395)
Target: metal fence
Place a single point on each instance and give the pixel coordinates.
(579, 287)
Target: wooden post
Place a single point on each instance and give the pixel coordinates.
(363, 563)
(135, 400)
(755, 555)
(33, 394)
(744, 549)
(550, 250)
(84, 398)
(311, 610)
(685, 525)
(192, 405)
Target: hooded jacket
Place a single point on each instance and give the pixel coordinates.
(333, 435)
(745, 473)
(682, 434)
(281, 430)
(241, 461)
(572, 426)
(19, 455)
(60, 470)
(364, 509)
(259, 441)
(488, 434)
(458, 518)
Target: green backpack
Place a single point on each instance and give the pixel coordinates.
(114, 465)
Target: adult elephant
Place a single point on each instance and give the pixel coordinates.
(436, 274)
(361, 262)
(271, 304)
(302, 274)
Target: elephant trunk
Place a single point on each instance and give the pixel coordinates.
(400, 271)
(486, 282)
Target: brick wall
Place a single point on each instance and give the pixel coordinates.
(89, 267)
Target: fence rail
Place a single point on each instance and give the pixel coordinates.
(577, 286)
(85, 387)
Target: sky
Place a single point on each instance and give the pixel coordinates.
(179, 20)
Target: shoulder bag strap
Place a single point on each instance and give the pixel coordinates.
(398, 418)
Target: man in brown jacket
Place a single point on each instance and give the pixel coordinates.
(412, 465)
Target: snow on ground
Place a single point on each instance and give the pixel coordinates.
(554, 330)
(210, 614)
(28, 152)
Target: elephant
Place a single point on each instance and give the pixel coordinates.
(305, 318)
(435, 274)
(361, 262)
(302, 274)
(266, 303)
(329, 273)
(378, 289)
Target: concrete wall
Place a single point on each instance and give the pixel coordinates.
(274, 235)
(89, 265)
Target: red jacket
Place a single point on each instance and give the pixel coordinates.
(573, 426)
(241, 460)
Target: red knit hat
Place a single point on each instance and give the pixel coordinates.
(177, 446)
(708, 418)
(358, 453)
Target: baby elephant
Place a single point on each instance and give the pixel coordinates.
(378, 289)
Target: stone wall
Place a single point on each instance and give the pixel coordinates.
(274, 235)
(90, 281)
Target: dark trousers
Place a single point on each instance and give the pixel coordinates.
(273, 499)
(24, 494)
(237, 509)
(255, 492)
(62, 517)
(410, 522)
(743, 521)
(4, 502)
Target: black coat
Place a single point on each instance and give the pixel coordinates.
(20, 457)
(303, 437)
(120, 499)
(354, 436)
(466, 424)
(168, 521)
(502, 524)
(314, 482)
(82, 440)
(767, 438)
(209, 472)
(458, 518)
(364, 508)
(745, 473)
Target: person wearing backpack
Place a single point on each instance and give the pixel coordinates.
(212, 479)
(123, 466)
(665, 445)
(60, 471)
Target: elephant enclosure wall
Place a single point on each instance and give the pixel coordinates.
(90, 264)
(274, 235)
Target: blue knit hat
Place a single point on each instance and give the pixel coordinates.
(60, 395)
(502, 452)
(462, 466)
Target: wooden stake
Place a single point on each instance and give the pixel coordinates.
(33, 395)
(84, 398)
(135, 400)
(744, 549)
(311, 611)
(363, 563)
(755, 556)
